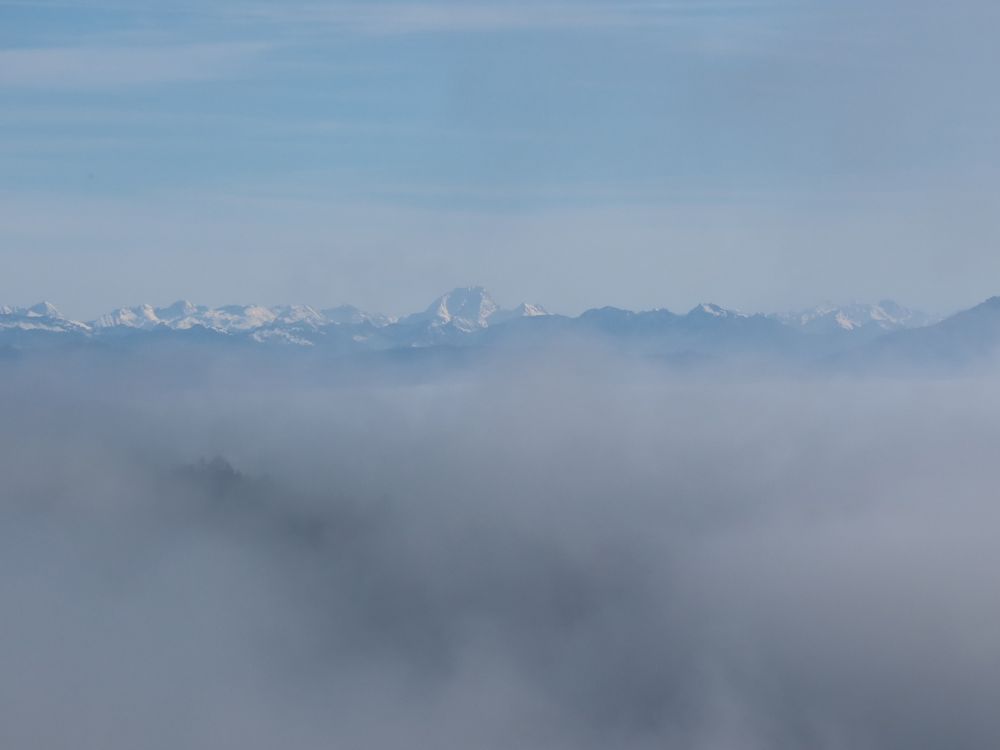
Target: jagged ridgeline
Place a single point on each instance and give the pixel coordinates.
(851, 336)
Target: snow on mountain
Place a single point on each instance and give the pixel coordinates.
(279, 335)
(457, 318)
(351, 315)
(41, 317)
(464, 308)
(524, 310)
(886, 316)
(469, 309)
(179, 310)
(232, 318)
(707, 309)
(43, 310)
(968, 338)
(299, 315)
(142, 317)
(183, 315)
(180, 315)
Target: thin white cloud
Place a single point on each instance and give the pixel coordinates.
(110, 67)
(452, 17)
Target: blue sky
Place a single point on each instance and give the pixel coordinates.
(762, 154)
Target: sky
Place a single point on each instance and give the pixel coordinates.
(761, 154)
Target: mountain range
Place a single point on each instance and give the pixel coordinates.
(854, 335)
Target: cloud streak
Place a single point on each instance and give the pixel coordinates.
(396, 18)
(93, 67)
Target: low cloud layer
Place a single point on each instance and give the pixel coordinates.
(533, 559)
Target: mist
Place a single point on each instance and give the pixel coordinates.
(566, 552)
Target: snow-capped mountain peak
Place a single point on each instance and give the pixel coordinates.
(180, 309)
(885, 315)
(41, 317)
(300, 315)
(525, 310)
(456, 319)
(351, 315)
(183, 315)
(469, 309)
(712, 310)
(43, 310)
(466, 308)
(141, 316)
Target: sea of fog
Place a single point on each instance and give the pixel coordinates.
(565, 553)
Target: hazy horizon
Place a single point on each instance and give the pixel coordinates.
(93, 314)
